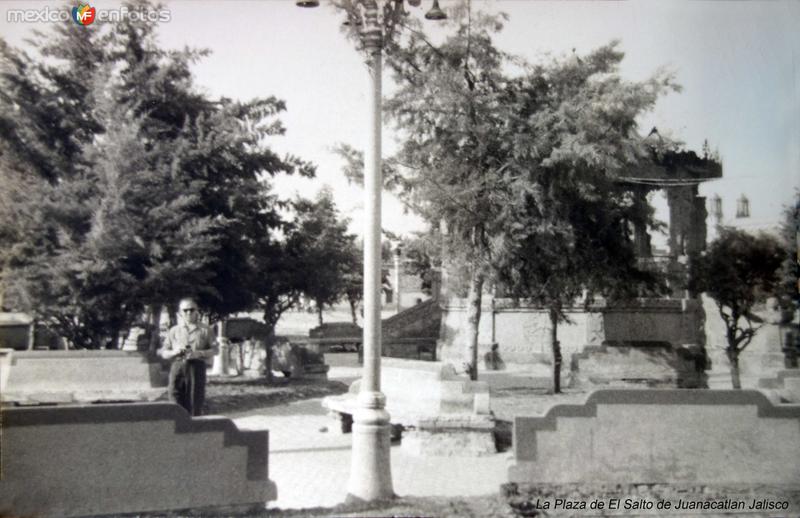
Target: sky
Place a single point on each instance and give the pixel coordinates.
(736, 61)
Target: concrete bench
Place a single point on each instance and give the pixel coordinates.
(785, 388)
(45, 377)
(297, 360)
(86, 460)
(695, 437)
(440, 411)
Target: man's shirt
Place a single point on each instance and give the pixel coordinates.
(197, 337)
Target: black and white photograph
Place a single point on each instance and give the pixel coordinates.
(399, 258)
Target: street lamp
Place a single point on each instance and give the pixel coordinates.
(370, 468)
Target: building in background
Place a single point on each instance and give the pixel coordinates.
(738, 214)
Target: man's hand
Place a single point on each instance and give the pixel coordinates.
(196, 355)
(168, 354)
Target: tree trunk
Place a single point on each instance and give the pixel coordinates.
(353, 312)
(172, 311)
(556, 346)
(268, 343)
(733, 357)
(114, 342)
(473, 320)
(154, 321)
(319, 313)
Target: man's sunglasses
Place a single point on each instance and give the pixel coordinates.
(189, 310)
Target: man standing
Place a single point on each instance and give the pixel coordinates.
(191, 346)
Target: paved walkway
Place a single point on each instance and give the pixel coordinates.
(310, 461)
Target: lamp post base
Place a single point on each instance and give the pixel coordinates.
(370, 468)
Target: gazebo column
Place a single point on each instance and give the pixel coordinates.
(681, 207)
(687, 220)
(699, 229)
(641, 238)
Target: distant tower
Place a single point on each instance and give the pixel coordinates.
(398, 263)
(743, 207)
(716, 209)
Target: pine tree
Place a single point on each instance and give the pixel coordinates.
(135, 189)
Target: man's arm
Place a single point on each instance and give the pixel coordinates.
(167, 351)
(209, 348)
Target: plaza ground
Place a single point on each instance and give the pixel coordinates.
(309, 460)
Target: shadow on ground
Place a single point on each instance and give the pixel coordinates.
(242, 395)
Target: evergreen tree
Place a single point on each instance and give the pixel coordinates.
(143, 189)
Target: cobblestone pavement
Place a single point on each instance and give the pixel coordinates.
(310, 460)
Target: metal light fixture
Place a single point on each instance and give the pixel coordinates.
(370, 467)
(400, 6)
(348, 22)
(436, 12)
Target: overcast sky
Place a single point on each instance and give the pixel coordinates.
(737, 62)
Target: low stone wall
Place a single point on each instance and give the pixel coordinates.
(670, 321)
(654, 365)
(126, 458)
(81, 376)
(660, 436)
(522, 333)
(523, 330)
(409, 348)
(5, 368)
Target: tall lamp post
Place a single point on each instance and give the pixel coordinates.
(370, 468)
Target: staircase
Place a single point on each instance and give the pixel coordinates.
(413, 332)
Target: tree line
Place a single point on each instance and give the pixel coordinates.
(125, 188)
(516, 166)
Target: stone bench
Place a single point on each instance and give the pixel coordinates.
(694, 437)
(68, 377)
(83, 460)
(440, 411)
(297, 360)
(785, 388)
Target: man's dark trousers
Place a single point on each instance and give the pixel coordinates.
(187, 385)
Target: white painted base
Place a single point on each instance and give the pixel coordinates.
(370, 468)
